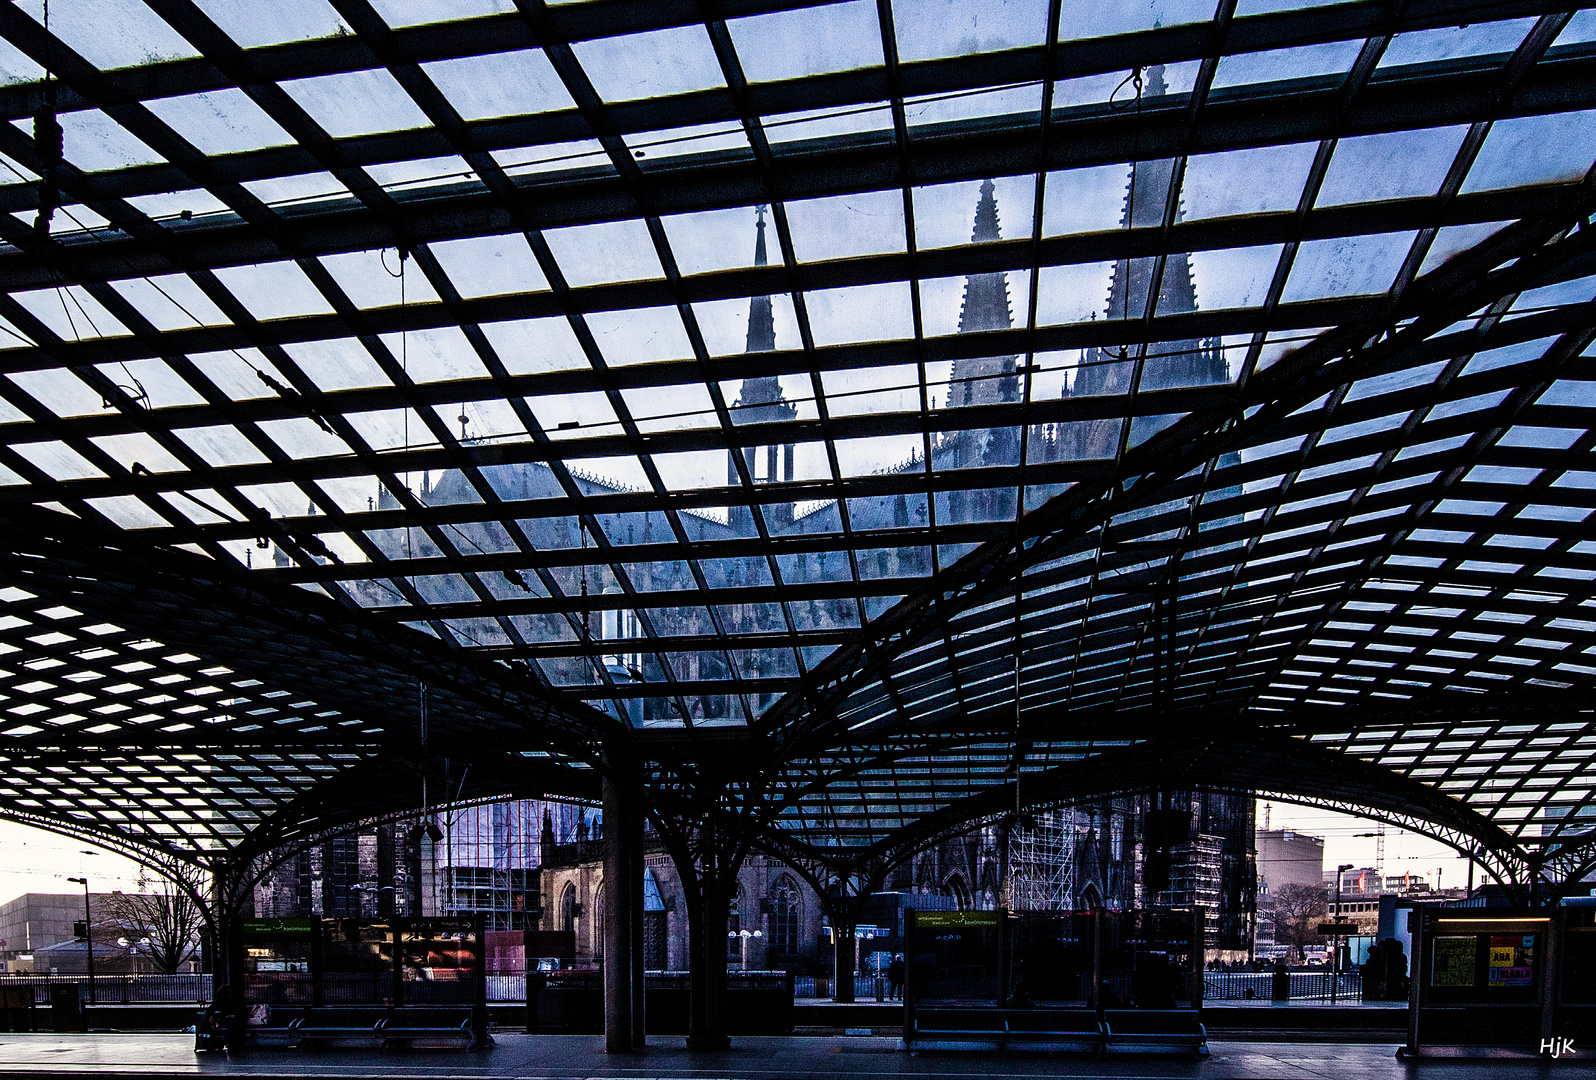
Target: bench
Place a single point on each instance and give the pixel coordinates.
(1060, 1029)
(406, 1026)
(1055, 1028)
(943, 1024)
(429, 1023)
(1155, 1029)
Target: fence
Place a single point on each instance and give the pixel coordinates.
(120, 989)
(1259, 986)
(864, 987)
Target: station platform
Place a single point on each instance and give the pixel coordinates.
(146, 1055)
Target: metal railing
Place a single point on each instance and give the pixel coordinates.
(1313, 986)
(120, 989)
(864, 987)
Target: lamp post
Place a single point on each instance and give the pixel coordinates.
(88, 931)
(745, 935)
(1335, 942)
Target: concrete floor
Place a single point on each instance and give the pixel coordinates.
(555, 1057)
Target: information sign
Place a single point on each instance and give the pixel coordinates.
(933, 920)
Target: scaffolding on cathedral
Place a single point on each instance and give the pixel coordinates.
(1042, 863)
(490, 857)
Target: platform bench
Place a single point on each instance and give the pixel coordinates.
(296, 1026)
(1073, 1027)
(444, 1024)
(1155, 1029)
(1039, 1028)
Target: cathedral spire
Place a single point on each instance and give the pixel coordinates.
(1146, 201)
(986, 296)
(761, 320)
(761, 401)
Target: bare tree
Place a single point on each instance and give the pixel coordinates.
(159, 922)
(1298, 909)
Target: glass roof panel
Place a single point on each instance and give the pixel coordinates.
(375, 279)
(944, 214)
(70, 313)
(550, 157)
(611, 251)
(57, 460)
(528, 346)
(398, 13)
(95, 143)
(929, 29)
(356, 102)
(1125, 16)
(1234, 277)
(699, 241)
(153, 381)
(1073, 293)
(1276, 65)
(653, 64)
(870, 223)
(171, 301)
(1408, 164)
(1247, 181)
(437, 355)
(807, 41)
(168, 204)
(1350, 266)
(339, 364)
(860, 313)
(809, 124)
(500, 84)
(490, 265)
(222, 445)
(111, 33)
(60, 391)
(1451, 42)
(428, 172)
(1534, 150)
(640, 335)
(724, 324)
(274, 290)
(285, 190)
(16, 65)
(935, 109)
(221, 122)
(656, 146)
(1581, 28)
(273, 24)
(1084, 200)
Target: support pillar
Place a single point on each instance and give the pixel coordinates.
(1005, 958)
(619, 892)
(706, 944)
(634, 844)
(842, 948)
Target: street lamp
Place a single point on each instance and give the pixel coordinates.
(1335, 942)
(88, 930)
(745, 935)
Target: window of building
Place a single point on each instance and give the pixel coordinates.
(784, 915)
(568, 908)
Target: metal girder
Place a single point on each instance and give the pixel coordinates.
(184, 599)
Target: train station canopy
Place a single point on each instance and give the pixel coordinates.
(879, 413)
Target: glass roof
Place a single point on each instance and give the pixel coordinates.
(838, 374)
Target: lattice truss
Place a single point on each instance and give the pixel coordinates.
(937, 396)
